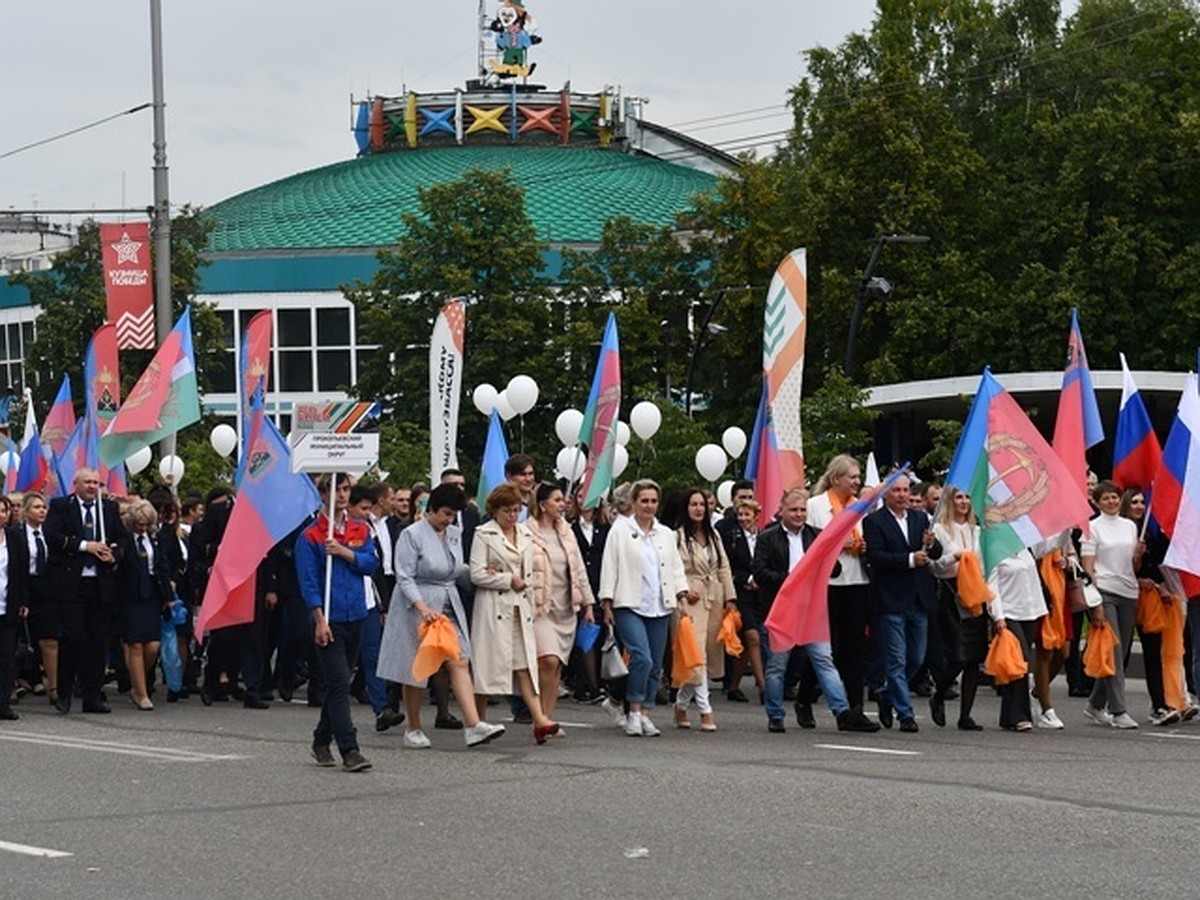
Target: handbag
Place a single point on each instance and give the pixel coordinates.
(612, 664)
(26, 658)
(1082, 594)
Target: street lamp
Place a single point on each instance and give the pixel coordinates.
(707, 327)
(871, 283)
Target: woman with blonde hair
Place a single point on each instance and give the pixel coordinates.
(505, 649)
(848, 590)
(146, 596)
(560, 589)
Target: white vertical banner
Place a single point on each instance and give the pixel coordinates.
(785, 328)
(445, 386)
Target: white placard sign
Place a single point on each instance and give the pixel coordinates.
(332, 452)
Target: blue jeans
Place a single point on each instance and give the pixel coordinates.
(645, 639)
(821, 657)
(902, 636)
(336, 661)
(372, 637)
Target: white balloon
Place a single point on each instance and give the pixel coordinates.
(522, 392)
(725, 492)
(566, 426)
(138, 461)
(734, 441)
(620, 460)
(223, 439)
(484, 398)
(504, 406)
(570, 463)
(623, 434)
(645, 418)
(171, 469)
(711, 461)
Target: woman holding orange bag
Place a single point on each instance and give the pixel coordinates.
(1018, 607)
(710, 595)
(429, 570)
(967, 630)
(1110, 557)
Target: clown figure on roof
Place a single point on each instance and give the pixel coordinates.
(515, 34)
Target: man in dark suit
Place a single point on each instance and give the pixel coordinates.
(84, 537)
(899, 547)
(778, 550)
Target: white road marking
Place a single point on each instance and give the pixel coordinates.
(1169, 734)
(165, 754)
(26, 850)
(857, 749)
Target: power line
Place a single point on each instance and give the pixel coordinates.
(65, 134)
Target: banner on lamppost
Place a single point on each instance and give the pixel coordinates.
(128, 284)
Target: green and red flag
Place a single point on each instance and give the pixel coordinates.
(1021, 491)
(598, 432)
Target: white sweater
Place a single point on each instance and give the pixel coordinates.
(1112, 543)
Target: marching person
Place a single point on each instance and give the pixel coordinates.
(85, 537)
(14, 603)
(338, 638)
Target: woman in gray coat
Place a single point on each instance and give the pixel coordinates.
(429, 566)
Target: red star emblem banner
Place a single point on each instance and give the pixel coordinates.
(128, 285)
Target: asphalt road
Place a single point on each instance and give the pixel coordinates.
(225, 802)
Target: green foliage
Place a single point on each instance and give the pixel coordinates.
(945, 434)
(835, 420)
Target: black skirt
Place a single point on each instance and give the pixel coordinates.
(141, 621)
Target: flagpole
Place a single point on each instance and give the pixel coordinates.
(328, 558)
(162, 203)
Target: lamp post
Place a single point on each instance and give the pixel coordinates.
(869, 283)
(707, 327)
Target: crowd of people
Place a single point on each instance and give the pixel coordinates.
(545, 598)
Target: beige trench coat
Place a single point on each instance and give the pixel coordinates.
(500, 612)
(713, 581)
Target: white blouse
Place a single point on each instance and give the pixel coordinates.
(1112, 542)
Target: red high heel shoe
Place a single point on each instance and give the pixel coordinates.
(542, 732)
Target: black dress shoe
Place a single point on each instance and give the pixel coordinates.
(908, 725)
(776, 726)
(922, 690)
(854, 720)
(8, 714)
(99, 707)
(966, 723)
(885, 714)
(454, 723)
(737, 696)
(937, 710)
(804, 715)
(252, 702)
(174, 696)
(206, 697)
(388, 718)
(63, 703)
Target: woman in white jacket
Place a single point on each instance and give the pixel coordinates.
(641, 583)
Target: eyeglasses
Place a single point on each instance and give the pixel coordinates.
(511, 510)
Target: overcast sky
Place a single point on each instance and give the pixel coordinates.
(258, 90)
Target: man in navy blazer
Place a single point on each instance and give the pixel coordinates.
(899, 547)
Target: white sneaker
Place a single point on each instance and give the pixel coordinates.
(480, 734)
(649, 729)
(1189, 712)
(614, 710)
(1164, 717)
(1049, 719)
(416, 740)
(1098, 716)
(633, 725)
(1124, 721)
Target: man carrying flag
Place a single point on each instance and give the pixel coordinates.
(780, 551)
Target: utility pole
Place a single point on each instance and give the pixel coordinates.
(161, 220)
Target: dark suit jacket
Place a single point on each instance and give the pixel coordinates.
(470, 521)
(129, 577)
(741, 560)
(592, 552)
(64, 533)
(894, 586)
(771, 560)
(18, 576)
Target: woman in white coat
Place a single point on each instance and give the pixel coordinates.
(641, 584)
(502, 635)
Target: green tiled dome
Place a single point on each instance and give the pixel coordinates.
(569, 193)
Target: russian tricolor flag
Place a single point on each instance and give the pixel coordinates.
(1177, 488)
(762, 463)
(1137, 456)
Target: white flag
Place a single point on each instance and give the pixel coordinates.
(445, 386)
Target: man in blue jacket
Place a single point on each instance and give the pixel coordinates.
(338, 638)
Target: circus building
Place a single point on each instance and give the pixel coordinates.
(582, 158)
